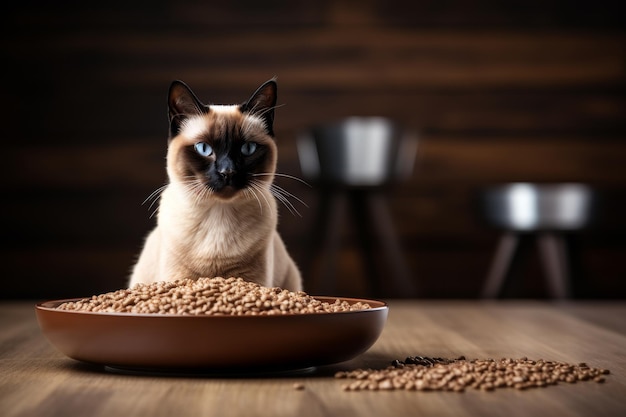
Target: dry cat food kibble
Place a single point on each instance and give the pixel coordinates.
(438, 374)
(208, 296)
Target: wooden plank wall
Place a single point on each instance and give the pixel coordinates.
(498, 91)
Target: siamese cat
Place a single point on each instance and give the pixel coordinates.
(217, 215)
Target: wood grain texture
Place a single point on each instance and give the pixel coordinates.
(36, 380)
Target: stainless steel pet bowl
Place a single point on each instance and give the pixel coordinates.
(357, 151)
(526, 206)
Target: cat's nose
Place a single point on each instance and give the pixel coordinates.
(225, 169)
(226, 173)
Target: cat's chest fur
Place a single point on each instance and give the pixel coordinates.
(212, 232)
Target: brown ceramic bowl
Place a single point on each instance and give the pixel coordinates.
(240, 343)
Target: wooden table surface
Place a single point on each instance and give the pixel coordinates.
(36, 380)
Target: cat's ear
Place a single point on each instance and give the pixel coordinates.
(182, 103)
(262, 104)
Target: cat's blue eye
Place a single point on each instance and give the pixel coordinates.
(248, 148)
(203, 148)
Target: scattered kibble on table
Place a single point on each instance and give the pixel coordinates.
(418, 373)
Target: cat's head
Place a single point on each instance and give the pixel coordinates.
(220, 151)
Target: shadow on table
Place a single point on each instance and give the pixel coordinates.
(367, 360)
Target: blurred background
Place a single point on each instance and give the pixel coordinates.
(498, 92)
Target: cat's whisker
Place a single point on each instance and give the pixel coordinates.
(259, 190)
(283, 196)
(286, 193)
(251, 191)
(156, 199)
(204, 194)
(287, 204)
(196, 190)
(258, 187)
(279, 174)
(192, 190)
(154, 195)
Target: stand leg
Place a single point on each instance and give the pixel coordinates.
(329, 261)
(553, 253)
(362, 223)
(400, 276)
(500, 265)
